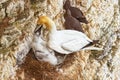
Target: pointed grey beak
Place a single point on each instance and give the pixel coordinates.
(38, 28)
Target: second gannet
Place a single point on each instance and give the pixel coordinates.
(64, 41)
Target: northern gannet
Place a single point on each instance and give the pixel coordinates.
(75, 12)
(40, 49)
(64, 41)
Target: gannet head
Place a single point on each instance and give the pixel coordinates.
(44, 20)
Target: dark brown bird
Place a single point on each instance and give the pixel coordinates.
(71, 22)
(75, 12)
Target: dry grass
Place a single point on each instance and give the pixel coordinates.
(32, 69)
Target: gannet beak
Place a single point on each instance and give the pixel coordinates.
(38, 28)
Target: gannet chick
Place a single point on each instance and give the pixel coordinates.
(71, 22)
(64, 41)
(75, 12)
(41, 51)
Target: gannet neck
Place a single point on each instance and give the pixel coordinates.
(52, 26)
(52, 30)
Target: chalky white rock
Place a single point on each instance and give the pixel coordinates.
(64, 41)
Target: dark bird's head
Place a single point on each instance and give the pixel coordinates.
(83, 19)
(71, 22)
(66, 5)
(78, 14)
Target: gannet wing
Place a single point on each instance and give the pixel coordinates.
(74, 45)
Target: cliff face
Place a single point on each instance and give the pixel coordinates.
(18, 21)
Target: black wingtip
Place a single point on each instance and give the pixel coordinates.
(92, 43)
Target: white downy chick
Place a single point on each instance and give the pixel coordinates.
(65, 41)
(41, 51)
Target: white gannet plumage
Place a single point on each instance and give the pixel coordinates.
(64, 41)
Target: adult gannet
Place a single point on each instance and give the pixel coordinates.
(75, 12)
(64, 41)
(41, 51)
